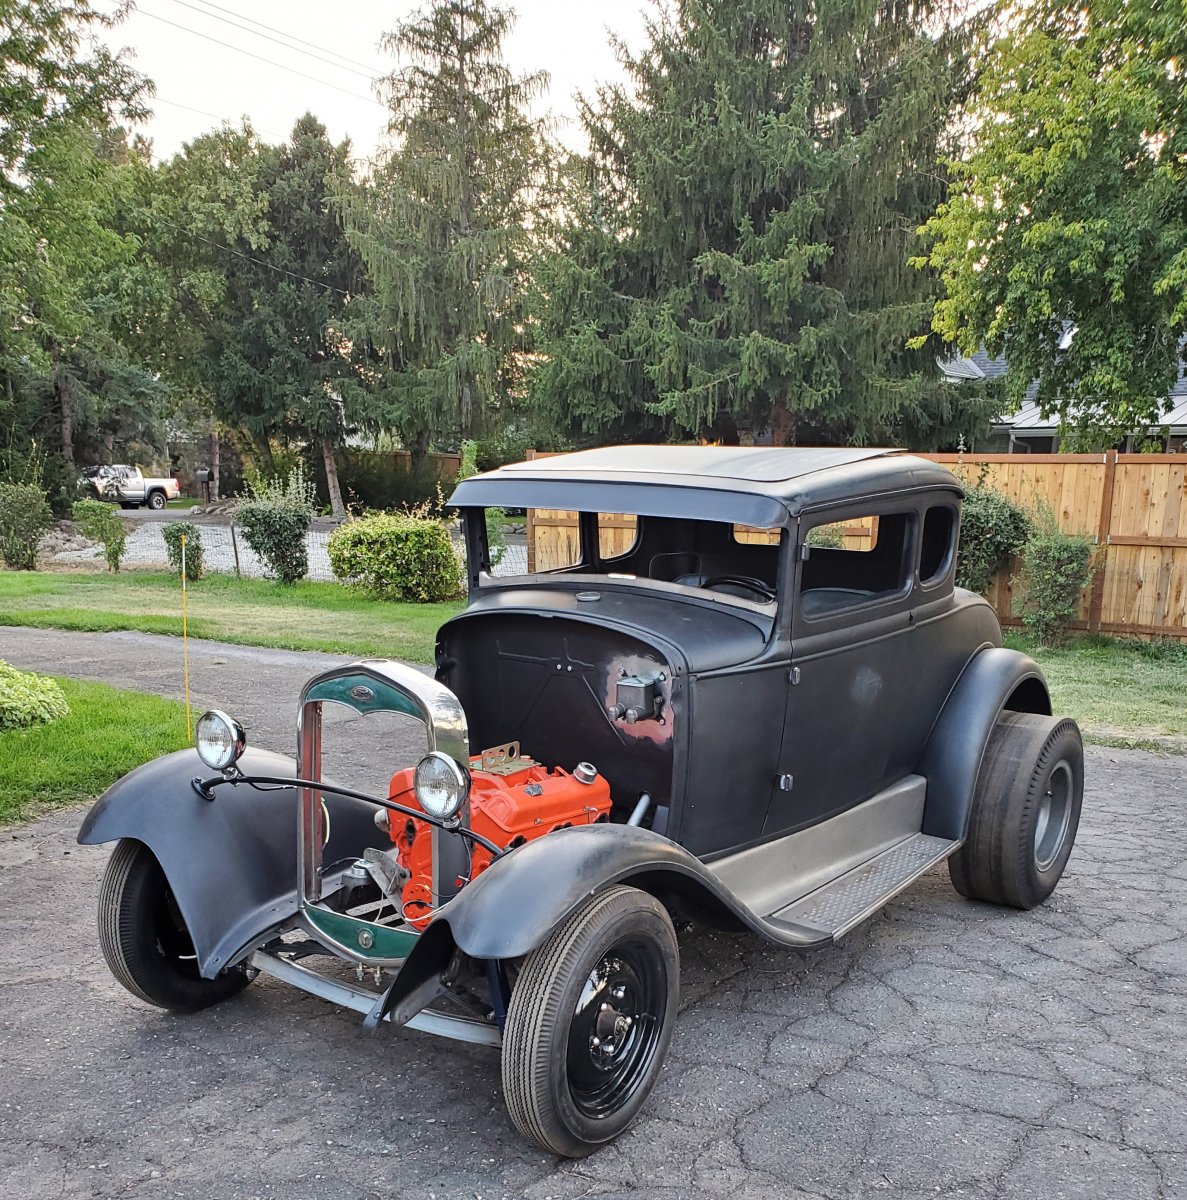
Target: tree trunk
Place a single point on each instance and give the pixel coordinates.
(467, 409)
(264, 446)
(337, 508)
(782, 424)
(62, 388)
(214, 466)
(418, 447)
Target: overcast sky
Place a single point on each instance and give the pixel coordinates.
(201, 82)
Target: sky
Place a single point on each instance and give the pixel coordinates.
(202, 82)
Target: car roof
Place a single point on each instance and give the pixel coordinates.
(706, 482)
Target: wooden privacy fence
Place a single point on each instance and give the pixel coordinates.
(1132, 506)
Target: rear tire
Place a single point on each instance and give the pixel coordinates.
(589, 1023)
(1025, 812)
(156, 501)
(144, 938)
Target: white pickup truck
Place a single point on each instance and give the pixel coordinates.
(129, 486)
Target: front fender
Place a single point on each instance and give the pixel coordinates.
(231, 862)
(995, 679)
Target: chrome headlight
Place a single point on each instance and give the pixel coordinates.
(219, 740)
(441, 784)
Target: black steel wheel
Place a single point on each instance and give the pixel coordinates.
(589, 1022)
(1025, 812)
(145, 940)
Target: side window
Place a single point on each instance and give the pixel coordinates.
(618, 534)
(855, 562)
(937, 544)
(554, 539)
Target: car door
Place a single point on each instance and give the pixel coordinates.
(851, 725)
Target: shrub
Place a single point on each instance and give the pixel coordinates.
(195, 564)
(101, 523)
(275, 519)
(992, 530)
(24, 516)
(1056, 568)
(27, 700)
(399, 556)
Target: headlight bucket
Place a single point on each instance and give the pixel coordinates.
(441, 784)
(219, 740)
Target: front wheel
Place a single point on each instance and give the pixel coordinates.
(1025, 812)
(589, 1022)
(144, 938)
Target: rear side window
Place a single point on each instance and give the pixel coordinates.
(854, 562)
(937, 543)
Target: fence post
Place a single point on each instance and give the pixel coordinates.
(1103, 530)
(235, 551)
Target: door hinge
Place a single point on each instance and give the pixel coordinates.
(784, 782)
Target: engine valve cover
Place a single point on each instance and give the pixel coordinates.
(513, 799)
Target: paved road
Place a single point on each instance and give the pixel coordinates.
(946, 1049)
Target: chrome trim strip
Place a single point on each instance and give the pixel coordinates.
(360, 1000)
(445, 724)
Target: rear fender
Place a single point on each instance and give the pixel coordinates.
(231, 862)
(996, 679)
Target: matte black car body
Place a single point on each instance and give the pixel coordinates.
(792, 732)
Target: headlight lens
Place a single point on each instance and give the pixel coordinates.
(219, 740)
(442, 785)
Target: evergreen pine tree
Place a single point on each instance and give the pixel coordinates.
(735, 248)
(443, 222)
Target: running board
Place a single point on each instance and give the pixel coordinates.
(837, 907)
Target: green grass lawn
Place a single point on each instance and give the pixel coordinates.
(107, 733)
(252, 612)
(185, 502)
(1123, 693)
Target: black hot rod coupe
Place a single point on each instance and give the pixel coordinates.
(750, 695)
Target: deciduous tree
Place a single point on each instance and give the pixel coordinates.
(1063, 243)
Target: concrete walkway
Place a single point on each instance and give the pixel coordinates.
(945, 1049)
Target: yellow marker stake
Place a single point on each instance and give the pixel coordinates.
(185, 645)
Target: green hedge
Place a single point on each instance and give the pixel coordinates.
(27, 700)
(992, 530)
(24, 516)
(99, 521)
(275, 519)
(195, 562)
(398, 557)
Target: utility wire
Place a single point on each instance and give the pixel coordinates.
(259, 262)
(267, 37)
(216, 116)
(371, 71)
(261, 58)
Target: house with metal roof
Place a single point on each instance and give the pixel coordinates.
(1027, 431)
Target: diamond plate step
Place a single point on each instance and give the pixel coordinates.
(835, 908)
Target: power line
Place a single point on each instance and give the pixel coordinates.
(215, 116)
(261, 58)
(259, 262)
(254, 33)
(370, 70)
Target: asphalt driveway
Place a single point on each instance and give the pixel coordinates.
(945, 1049)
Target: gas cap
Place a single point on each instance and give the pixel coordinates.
(585, 772)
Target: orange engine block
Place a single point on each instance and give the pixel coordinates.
(513, 799)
